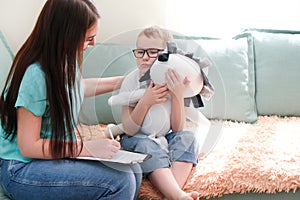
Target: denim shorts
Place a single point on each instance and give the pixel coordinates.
(182, 146)
(69, 179)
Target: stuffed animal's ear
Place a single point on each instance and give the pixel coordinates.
(172, 47)
(164, 57)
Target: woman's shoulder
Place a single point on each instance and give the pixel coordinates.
(34, 78)
(34, 72)
(34, 68)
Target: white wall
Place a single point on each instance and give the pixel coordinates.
(224, 18)
(119, 20)
(17, 18)
(123, 19)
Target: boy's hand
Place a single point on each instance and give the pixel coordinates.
(154, 94)
(175, 84)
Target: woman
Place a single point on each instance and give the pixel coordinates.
(39, 108)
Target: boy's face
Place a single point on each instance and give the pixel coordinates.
(145, 43)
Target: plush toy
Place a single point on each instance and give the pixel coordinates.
(157, 121)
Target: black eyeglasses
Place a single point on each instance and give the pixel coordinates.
(152, 53)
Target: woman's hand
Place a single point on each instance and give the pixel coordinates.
(102, 148)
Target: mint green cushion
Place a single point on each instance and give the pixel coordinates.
(277, 66)
(232, 75)
(105, 60)
(6, 58)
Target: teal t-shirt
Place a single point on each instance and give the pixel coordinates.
(33, 96)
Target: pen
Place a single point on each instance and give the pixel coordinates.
(110, 133)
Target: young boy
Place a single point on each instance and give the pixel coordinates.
(167, 170)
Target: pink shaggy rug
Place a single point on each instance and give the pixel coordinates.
(261, 157)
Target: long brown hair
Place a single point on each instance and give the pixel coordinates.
(56, 42)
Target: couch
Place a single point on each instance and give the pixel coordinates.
(256, 73)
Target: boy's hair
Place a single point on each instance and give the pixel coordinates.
(156, 32)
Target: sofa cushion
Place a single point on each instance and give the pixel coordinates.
(6, 58)
(232, 75)
(277, 64)
(104, 60)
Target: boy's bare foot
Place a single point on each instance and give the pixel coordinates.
(194, 195)
(190, 196)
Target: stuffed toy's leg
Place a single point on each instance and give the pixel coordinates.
(126, 98)
(195, 116)
(113, 130)
(198, 123)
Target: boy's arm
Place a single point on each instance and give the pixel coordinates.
(176, 88)
(133, 117)
(177, 114)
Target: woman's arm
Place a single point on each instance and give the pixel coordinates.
(96, 86)
(29, 141)
(31, 145)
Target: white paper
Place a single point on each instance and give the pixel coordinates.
(122, 156)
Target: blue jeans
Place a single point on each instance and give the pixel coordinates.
(183, 147)
(69, 179)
